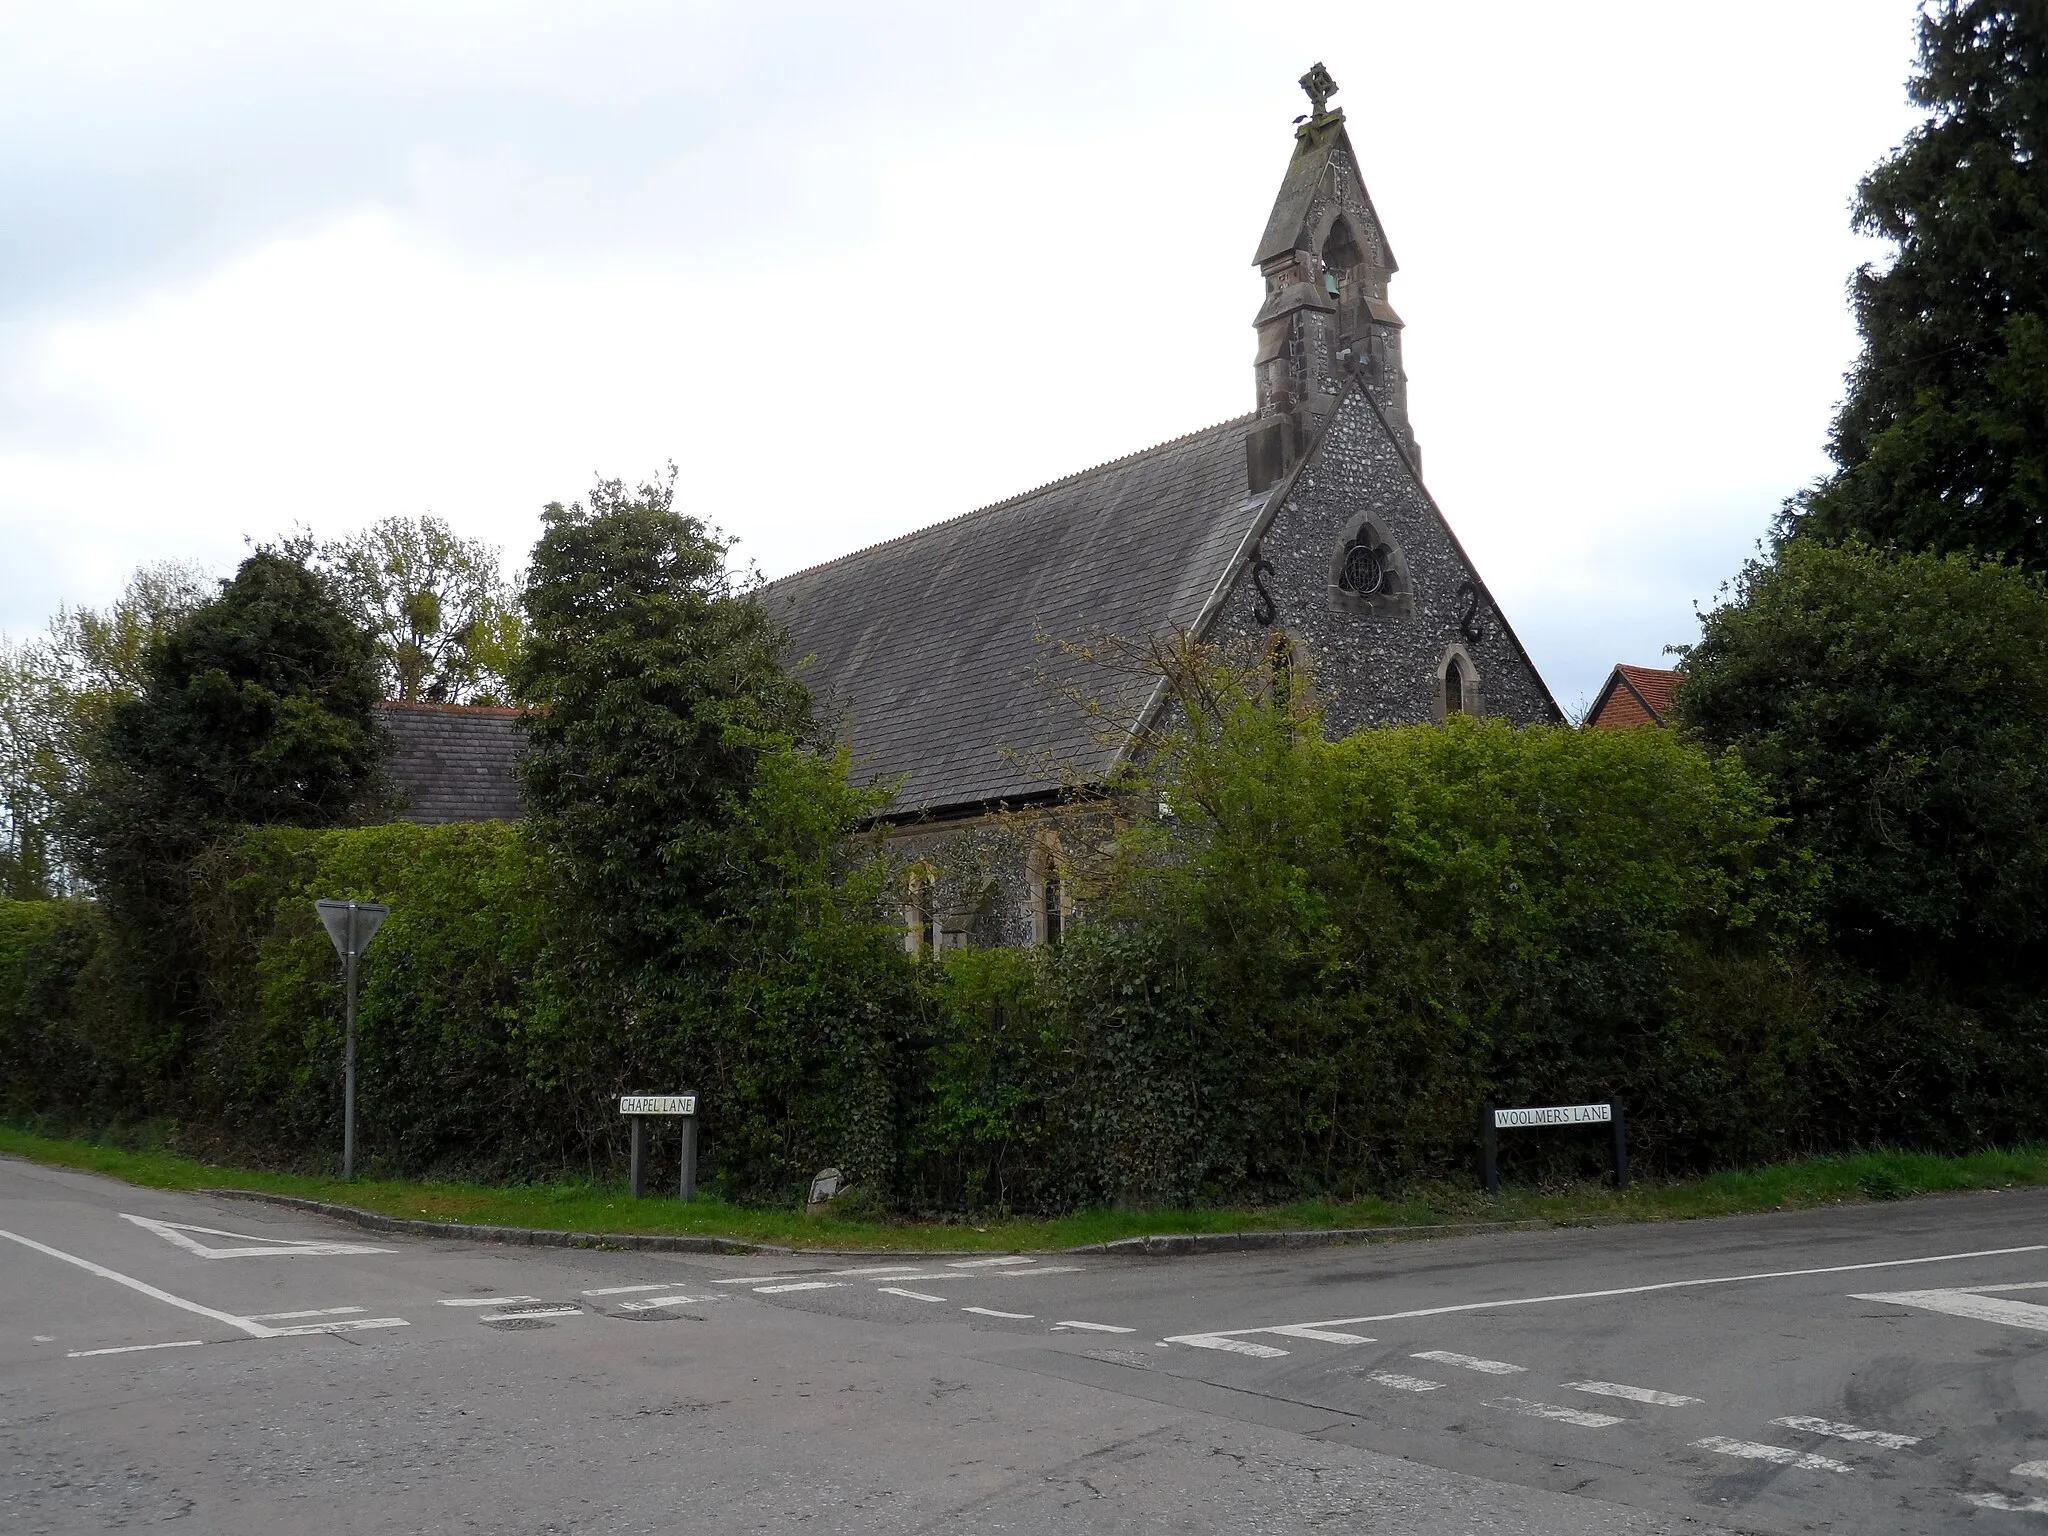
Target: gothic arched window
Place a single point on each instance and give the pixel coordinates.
(1454, 688)
(1052, 904)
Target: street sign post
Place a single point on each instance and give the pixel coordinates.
(1493, 1121)
(639, 1108)
(351, 925)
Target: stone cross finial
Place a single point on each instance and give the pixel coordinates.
(1320, 87)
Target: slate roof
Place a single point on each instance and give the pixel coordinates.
(932, 648)
(1633, 696)
(454, 762)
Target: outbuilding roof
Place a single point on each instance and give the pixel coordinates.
(1633, 696)
(941, 651)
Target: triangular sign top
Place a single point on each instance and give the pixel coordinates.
(352, 924)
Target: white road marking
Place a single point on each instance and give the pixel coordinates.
(892, 1271)
(1754, 1451)
(345, 1325)
(127, 1349)
(266, 1247)
(2024, 1469)
(500, 1317)
(894, 1290)
(255, 1330)
(1970, 1304)
(1881, 1437)
(486, 1301)
(1403, 1383)
(1225, 1342)
(1037, 1269)
(1321, 1335)
(989, 1263)
(654, 1303)
(1633, 1394)
(1641, 1290)
(286, 1317)
(801, 1285)
(46, 1338)
(1562, 1415)
(624, 1290)
(1020, 1317)
(2027, 1504)
(1095, 1327)
(1470, 1362)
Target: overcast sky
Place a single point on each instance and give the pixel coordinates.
(857, 267)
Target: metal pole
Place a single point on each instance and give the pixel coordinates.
(689, 1158)
(1489, 1148)
(348, 1093)
(639, 1156)
(1620, 1144)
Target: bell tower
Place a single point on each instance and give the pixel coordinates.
(1325, 319)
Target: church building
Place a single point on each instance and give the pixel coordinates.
(946, 655)
(947, 658)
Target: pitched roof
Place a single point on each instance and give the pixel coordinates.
(1316, 144)
(940, 648)
(454, 762)
(1633, 696)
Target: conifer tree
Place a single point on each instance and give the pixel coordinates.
(1942, 441)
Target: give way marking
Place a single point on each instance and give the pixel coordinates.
(178, 1232)
(1975, 1302)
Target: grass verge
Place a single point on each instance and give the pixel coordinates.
(575, 1207)
(607, 1209)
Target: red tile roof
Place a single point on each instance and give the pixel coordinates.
(1633, 696)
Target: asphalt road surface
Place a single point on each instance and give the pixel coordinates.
(237, 1368)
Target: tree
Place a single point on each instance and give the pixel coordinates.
(439, 607)
(55, 694)
(658, 686)
(255, 710)
(1942, 442)
(1897, 706)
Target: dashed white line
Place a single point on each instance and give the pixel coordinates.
(1094, 1327)
(1016, 1317)
(627, 1290)
(801, 1285)
(1555, 1411)
(1881, 1437)
(1403, 1383)
(655, 1303)
(1633, 1394)
(1225, 1342)
(895, 1290)
(286, 1317)
(1320, 1335)
(989, 1263)
(2031, 1469)
(2026, 1504)
(523, 1312)
(129, 1349)
(1038, 1269)
(487, 1301)
(1754, 1451)
(344, 1325)
(1469, 1362)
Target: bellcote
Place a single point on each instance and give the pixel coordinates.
(1326, 318)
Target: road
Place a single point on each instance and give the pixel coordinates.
(239, 1368)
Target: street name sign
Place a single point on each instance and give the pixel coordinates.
(658, 1104)
(1560, 1114)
